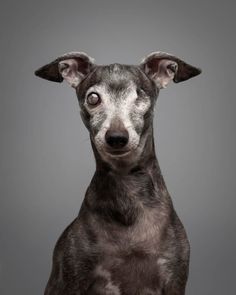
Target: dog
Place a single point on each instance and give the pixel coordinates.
(127, 238)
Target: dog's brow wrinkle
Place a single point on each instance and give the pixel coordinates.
(117, 87)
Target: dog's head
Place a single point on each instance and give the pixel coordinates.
(116, 100)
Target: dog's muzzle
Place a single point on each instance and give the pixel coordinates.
(116, 142)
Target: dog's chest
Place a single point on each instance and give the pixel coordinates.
(130, 257)
(143, 237)
(132, 274)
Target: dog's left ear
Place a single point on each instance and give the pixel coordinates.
(72, 67)
(163, 67)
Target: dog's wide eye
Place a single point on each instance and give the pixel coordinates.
(93, 99)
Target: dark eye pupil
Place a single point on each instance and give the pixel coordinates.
(93, 99)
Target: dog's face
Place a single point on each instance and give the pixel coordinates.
(117, 101)
(117, 104)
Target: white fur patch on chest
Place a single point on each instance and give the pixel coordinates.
(110, 287)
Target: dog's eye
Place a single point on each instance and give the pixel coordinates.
(93, 99)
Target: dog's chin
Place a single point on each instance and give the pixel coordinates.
(121, 159)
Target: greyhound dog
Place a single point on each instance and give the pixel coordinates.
(127, 238)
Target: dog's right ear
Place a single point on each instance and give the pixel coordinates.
(72, 67)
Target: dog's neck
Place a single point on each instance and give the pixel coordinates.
(119, 194)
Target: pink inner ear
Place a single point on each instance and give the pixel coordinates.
(165, 72)
(69, 71)
(68, 65)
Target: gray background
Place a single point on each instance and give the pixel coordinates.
(46, 159)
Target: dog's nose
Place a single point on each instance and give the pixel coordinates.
(116, 138)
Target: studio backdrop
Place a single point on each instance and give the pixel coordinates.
(46, 158)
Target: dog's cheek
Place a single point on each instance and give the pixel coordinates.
(147, 121)
(137, 121)
(134, 138)
(96, 121)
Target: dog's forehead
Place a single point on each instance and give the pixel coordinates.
(117, 78)
(117, 71)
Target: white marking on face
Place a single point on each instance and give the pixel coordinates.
(126, 106)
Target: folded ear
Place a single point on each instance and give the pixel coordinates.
(163, 67)
(72, 67)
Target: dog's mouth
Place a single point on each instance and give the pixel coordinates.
(118, 153)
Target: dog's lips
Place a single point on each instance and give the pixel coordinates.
(118, 153)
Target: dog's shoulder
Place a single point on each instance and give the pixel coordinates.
(66, 242)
